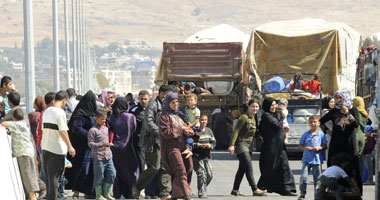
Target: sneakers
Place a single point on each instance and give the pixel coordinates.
(237, 193)
(301, 197)
(202, 196)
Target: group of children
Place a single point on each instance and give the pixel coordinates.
(199, 145)
(313, 86)
(334, 178)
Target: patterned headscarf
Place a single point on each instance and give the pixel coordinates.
(166, 104)
(106, 93)
(358, 103)
(347, 99)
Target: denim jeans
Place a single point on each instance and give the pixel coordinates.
(305, 174)
(104, 171)
(245, 167)
(368, 161)
(42, 176)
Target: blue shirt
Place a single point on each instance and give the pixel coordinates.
(312, 140)
(5, 101)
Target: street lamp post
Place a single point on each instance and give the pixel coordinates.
(55, 46)
(68, 78)
(29, 55)
(74, 45)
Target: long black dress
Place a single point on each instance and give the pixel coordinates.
(276, 175)
(343, 139)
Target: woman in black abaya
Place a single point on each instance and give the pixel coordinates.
(276, 175)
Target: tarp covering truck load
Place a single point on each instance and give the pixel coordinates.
(309, 46)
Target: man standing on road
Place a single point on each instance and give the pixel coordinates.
(55, 144)
(153, 150)
(138, 137)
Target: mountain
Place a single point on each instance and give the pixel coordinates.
(175, 20)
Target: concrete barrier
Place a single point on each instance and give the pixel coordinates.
(11, 186)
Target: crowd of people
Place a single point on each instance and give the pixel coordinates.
(109, 146)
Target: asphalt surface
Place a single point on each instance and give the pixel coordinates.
(225, 167)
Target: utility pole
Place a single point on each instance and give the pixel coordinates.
(74, 45)
(78, 47)
(55, 46)
(68, 71)
(82, 47)
(29, 54)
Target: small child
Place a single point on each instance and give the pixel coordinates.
(104, 170)
(202, 154)
(23, 150)
(368, 153)
(63, 180)
(313, 86)
(283, 107)
(336, 179)
(311, 142)
(193, 114)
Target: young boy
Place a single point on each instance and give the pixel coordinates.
(311, 142)
(193, 115)
(202, 146)
(336, 179)
(368, 153)
(104, 170)
(23, 150)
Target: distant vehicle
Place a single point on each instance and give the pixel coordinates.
(218, 66)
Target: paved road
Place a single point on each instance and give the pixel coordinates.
(225, 166)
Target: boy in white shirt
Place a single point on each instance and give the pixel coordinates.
(335, 178)
(23, 150)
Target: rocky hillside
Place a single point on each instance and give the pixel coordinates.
(174, 20)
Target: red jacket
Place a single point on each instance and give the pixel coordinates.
(313, 86)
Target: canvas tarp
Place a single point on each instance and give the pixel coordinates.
(218, 34)
(307, 45)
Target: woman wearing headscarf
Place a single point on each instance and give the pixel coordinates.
(122, 125)
(81, 175)
(276, 175)
(172, 131)
(328, 103)
(358, 103)
(107, 97)
(343, 139)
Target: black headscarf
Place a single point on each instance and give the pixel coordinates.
(267, 103)
(119, 106)
(86, 107)
(166, 104)
(325, 102)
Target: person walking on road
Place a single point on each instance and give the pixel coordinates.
(276, 175)
(153, 149)
(81, 176)
(240, 143)
(172, 130)
(122, 126)
(55, 144)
